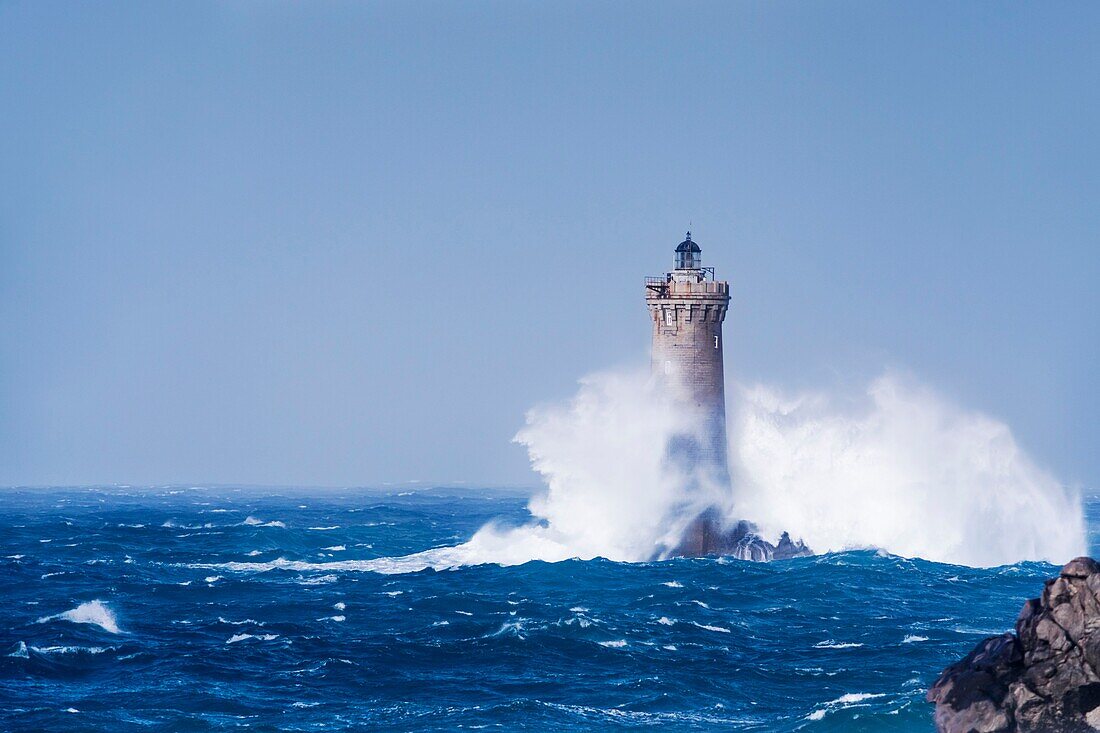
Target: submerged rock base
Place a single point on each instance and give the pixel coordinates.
(1043, 677)
(706, 536)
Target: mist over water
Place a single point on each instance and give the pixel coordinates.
(897, 468)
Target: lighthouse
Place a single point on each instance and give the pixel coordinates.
(687, 306)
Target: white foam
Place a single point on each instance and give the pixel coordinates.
(673, 584)
(69, 649)
(617, 644)
(20, 651)
(830, 644)
(92, 612)
(335, 548)
(720, 629)
(847, 700)
(339, 605)
(666, 621)
(903, 470)
(854, 697)
(318, 580)
(324, 529)
(252, 521)
(913, 638)
(253, 622)
(245, 637)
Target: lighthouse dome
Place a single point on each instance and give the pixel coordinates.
(688, 246)
(687, 254)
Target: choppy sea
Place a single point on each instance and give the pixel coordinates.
(125, 609)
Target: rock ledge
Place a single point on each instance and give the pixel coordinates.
(1043, 677)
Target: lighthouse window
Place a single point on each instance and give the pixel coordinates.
(670, 317)
(716, 342)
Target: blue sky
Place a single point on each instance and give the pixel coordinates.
(351, 243)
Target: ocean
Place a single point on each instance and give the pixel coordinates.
(209, 609)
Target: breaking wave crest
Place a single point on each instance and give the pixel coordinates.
(93, 612)
(899, 468)
(903, 470)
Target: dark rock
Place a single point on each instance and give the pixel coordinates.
(1043, 677)
(708, 535)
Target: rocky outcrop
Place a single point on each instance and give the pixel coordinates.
(1044, 677)
(706, 536)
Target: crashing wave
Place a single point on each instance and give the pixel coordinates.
(95, 613)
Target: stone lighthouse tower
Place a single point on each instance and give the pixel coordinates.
(687, 307)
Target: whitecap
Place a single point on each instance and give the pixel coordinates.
(324, 529)
(617, 644)
(511, 627)
(666, 621)
(913, 638)
(669, 647)
(853, 697)
(720, 629)
(392, 592)
(244, 637)
(223, 620)
(339, 605)
(92, 612)
(830, 644)
(673, 584)
(464, 613)
(335, 548)
(20, 651)
(211, 579)
(332, 618)
(318, 580)
(847, 700)
(69, 649)
(252, 521)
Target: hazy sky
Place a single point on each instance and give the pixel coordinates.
(351, 243)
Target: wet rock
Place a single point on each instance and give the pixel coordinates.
(708, 535)
(1043, 677)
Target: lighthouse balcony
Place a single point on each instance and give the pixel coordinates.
(667, 287)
